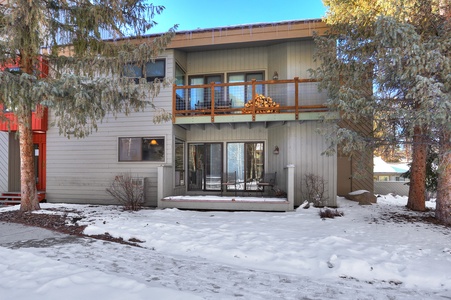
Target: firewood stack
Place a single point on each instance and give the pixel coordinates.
(260, 101)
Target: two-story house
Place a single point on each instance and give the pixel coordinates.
(242, 103)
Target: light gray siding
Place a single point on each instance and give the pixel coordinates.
(277, 61)
(181, 59)
(300, 58)
(79, 170)
(225, 61)
(301, 145)
(4, 144)
(290, 60)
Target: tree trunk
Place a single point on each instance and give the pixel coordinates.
(29, 196)
(443, 204)
(417, 188)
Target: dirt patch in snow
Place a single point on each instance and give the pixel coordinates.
(58, 222)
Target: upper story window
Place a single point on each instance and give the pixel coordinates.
(151, 70)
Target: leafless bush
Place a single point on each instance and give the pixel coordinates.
(330, 213)
(315, 189)
(128, 191)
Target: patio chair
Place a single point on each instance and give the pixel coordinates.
(268, 180)
(228, 179)
(203, 105)
(223, 104)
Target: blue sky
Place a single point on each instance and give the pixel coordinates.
(194, 14)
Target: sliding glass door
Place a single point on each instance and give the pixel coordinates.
(205, 166)
(247, 159)
(201, 97)
(241, 94)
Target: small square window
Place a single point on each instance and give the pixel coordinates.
(156, 69)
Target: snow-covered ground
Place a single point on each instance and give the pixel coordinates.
(365, 254)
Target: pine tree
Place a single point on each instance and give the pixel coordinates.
(388, 61)
(84, 81)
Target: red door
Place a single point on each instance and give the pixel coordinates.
(39, 141)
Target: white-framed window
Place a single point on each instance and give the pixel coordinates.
(151, 149)
(151, 70)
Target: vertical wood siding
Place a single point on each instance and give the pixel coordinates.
(301, 145)
(277, 61)
(300, 58)
(230, 60)
(181, 58)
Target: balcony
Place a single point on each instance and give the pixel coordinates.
(39, 120)
(253, 101)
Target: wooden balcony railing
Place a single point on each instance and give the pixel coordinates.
(292, 96)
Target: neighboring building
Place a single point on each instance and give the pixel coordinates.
(214, 129)
(388, 178)
(384, 171)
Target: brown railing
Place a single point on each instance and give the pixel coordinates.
(292, 96)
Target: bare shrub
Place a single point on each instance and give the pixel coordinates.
(315, 189)
(330, 213)
(128, 191)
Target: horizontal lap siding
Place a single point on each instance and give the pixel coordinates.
(79, 170)
(4, 161)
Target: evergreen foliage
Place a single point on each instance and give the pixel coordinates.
(389, 62)
(84, 81)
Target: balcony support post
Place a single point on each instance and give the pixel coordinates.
(212, 101)
(253, 98)
(296, 97)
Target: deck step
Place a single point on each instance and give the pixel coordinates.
(11, 198)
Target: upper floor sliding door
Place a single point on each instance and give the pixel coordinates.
(241, 94)
(201, 97)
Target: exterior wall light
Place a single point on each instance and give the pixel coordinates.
(276, 150)
(275, 76)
